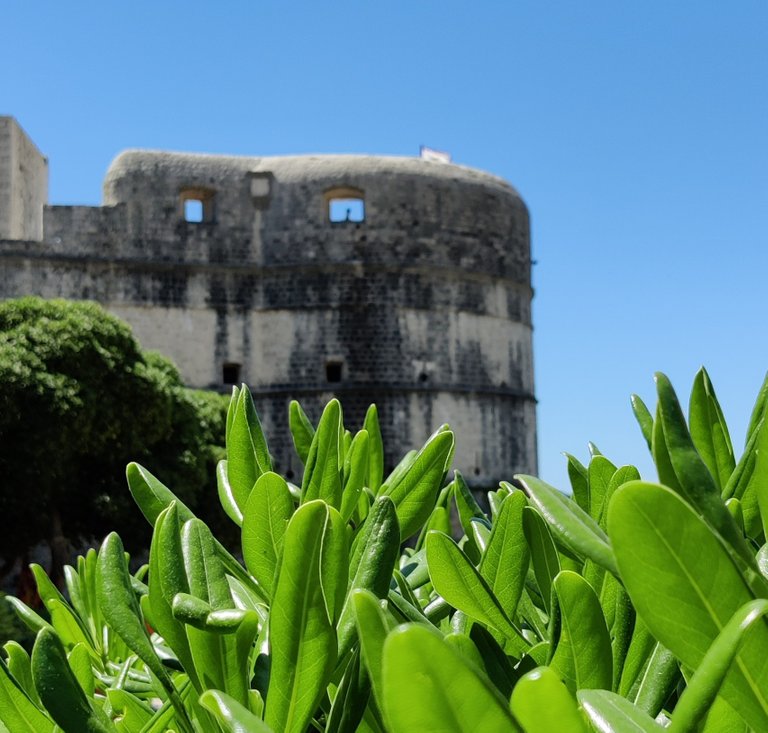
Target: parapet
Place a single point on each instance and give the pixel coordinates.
(327, 208)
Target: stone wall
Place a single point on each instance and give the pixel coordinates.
(23, 184)
(422, 307)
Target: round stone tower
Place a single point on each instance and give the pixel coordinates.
(398, 281)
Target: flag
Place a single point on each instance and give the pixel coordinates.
(436, 156)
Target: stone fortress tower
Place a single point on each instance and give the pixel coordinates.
(399, 281)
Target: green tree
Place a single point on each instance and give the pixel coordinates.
(78, 400)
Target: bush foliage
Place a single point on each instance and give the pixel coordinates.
(632, 606)
(78, 400)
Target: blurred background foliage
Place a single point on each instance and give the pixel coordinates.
(79, 399)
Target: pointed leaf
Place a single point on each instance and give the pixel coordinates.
(226, 496)
(375, 449)
(644, 419)
(582, 653)
(59, 691)
(709, 431)
(265, 519)
(302, 636)
(415, 490)
(247, 452)
(696, 482)
(322, 473)
(460, 584)
(373, 625)
(544, 557)
(302, 430)
(373, 558)
(355, 474)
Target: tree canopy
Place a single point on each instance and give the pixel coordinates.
(79, 398)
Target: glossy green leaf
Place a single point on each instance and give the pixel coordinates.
(322, 473)
(496, 499)
(226, 495)
(351, 698)
(481, 533)
(664, 468)
(696, 482)
(467, 509)
(19, 666)
(231, 408)
(414, 492)
(686, 586)
(120, 606)
(702, 689)
(496, 663)
(541, 702)
(30, 618)
(428, 687)
(121, 611)
(302, 430)
(219, 658)
(265, 519)
(166, 579)
(17, 710)
(758, 411)
(59, 691)
(247, 452)
(372, 560)
(373, 625)
(152, 497)
(68, 625)
(571, 526)
(611, 713)
(303, 615)
(745, 483)
(231, 715)
(460, 584)
(375, 449)
(644, 419)
(620, 620)
(621, 476)
(79, 661)
(641, 647)
(722, 717)
(761, 475)
(355, 473)
(709, 431)
(132, 714)
(600, 473)
(581, 652)
(578, 476)
(659, 678)
(544, 558)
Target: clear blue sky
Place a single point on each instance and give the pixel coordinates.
(637, 132)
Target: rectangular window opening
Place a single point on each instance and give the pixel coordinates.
(346, 210)
(230, 373)
(333, 371)
(193, 210)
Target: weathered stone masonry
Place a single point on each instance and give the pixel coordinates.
(236, 269)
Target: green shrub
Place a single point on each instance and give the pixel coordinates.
(626, 607)
(72, 378)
